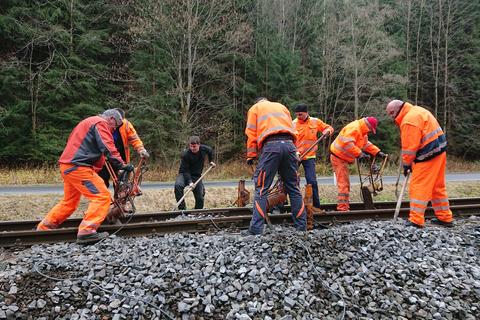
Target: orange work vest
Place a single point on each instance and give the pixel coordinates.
(307, 132)
(352, 140)
(129, 137)
(266, 118)
(421, 135)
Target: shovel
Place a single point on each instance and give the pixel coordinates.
(400, 197)
(192, 187)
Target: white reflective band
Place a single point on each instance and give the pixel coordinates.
(424, 203)
(439, 200)
(272, 114)
(251, 126)
(277, 128)
(437, 149)
(441, 208)
(431, 134)
(89, 224)
(344, 139)
(344, 150)
(343, 194)
(419, 210)
(409, 152)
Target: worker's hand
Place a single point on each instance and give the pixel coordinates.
(381, 154)
(250, 161)
(191, 185)
(327, 132)
(128, 167)
(213, 164)
(144, 154)
(406, 170)
(363, 155)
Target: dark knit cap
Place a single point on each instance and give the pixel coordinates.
(301, 108)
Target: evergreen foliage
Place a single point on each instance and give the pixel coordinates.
(182, 67)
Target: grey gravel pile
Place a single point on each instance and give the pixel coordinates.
(369, 270)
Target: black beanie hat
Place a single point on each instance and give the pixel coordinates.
(301, 108)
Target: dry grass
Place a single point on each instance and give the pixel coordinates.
(228, 170)
(23, 207)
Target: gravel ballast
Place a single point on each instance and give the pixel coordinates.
(366, 270)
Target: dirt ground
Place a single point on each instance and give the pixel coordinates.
(26, 207)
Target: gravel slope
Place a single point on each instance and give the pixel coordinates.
(367, 270)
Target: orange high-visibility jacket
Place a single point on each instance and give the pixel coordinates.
(421, 135)
(129, 136)
(264, 119)
(307, 134)
(352, 140)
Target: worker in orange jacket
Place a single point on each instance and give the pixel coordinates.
(424, 155)
(271, 135)
(307, 131)
(124, 136)
(87, 146)
(350, 144)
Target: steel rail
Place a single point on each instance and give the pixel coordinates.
(24, 225)
(29, 237)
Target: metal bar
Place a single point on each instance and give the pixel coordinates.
(234, 211)
(8, 239)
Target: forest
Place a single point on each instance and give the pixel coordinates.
(183, 67)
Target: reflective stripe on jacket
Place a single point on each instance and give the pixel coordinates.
(266, 118)
(422, 137)
(129, 137)
(352, 140)
(307, 132)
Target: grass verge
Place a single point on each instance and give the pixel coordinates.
(229, 170)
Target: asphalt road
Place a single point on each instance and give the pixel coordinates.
(49, 189)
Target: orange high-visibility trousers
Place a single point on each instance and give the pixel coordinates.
(79, 181)
(428, 184)
(340, 167)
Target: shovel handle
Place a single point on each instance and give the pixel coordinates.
(192, 187)
(400, 198)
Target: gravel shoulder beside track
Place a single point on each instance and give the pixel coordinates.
(367, 270)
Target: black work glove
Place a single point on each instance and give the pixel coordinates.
(250, 161)
(406, 169)
(363, 155)
(128, 167)
(381, 154)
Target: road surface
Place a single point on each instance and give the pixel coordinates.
(52, 189)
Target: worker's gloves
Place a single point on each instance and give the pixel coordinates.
(327, 132)
(128, 167)
(144, 154)
(191, 186)
(213, 164)
(250, 161)
(406, 169)
(381, 154)
(363, 156)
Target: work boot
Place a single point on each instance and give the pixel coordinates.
(442, 223)
(92, 237)
(411, 224)
(246, 233)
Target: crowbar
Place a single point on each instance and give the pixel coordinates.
(323, 136)
(192, 187)
(400, 197)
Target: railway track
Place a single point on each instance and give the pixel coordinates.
(15, 233)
